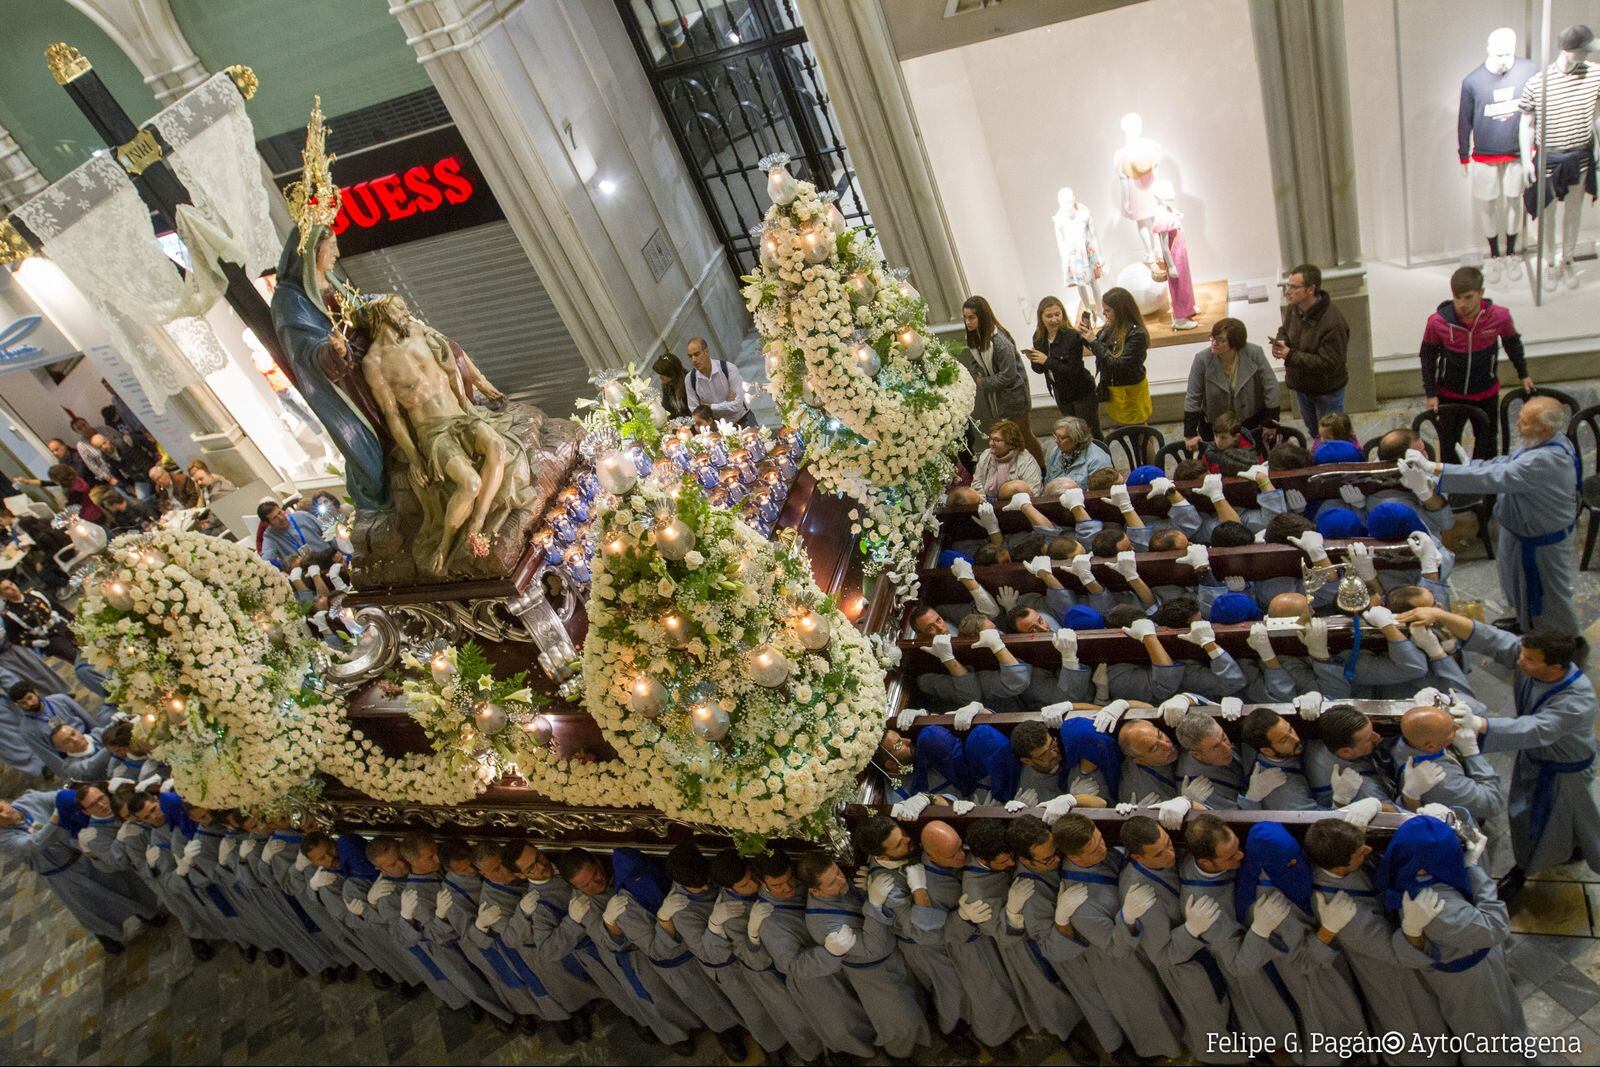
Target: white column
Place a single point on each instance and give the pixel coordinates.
(553, 102)
(148, 33)
(20, 180)
(852, 42)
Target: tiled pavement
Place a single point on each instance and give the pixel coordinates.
(62, 1000)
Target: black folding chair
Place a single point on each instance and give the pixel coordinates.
(1136, 442)
(1455, 417)
(1176, 451)
(1589, 501)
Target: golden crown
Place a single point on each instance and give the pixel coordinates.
(314, 199)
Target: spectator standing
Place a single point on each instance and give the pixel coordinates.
(1314, 344)
(1460, 358)
(1057, 353)
(1231, 375)
(1119, 349)
(991, 358)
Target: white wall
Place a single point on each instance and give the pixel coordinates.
(1010, 121)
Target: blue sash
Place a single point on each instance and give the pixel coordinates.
(1466, 962)
(1543, 801)
(1354, 657)
(427, 963)
(1530, 545)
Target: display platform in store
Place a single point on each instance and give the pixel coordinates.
(1211, 303)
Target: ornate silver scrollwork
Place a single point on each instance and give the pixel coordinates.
(555, 824)
(558, 656)
(375, 651)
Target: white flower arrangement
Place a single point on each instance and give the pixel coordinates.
(883, 403)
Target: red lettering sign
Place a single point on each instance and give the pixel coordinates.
(388, 198)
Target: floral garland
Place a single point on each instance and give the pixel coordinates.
(850, 362)
(733, 691)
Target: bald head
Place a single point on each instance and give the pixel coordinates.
(942, 845)
(1144, 744)
(1289, 606)
(1428, 729)
(1540, 419)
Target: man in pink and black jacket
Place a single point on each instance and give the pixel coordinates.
(1460, 356)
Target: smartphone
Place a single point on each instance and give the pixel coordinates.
(1083, 319)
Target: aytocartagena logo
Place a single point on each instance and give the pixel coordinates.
(11, 337)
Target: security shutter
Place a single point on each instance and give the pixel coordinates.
(477, 287)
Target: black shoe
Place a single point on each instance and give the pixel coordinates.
(475, 1011)
(566, 1032)
(646, 1035)
(274, 957)
(961, 1042)
(112, 946)
(202, 949)
(249, 952)
(328, 975)
(528, 1024)
(297, 970)
(1512, 884)
(733, 1044)
(505, 1026)
(350, 973)
(1080, 1046)
(683, 1048)
(1509, 624)
(156, 921)
(412, 992)
(380, 980)
(582, 1023)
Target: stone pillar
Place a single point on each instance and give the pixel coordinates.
(862, 71)
(147, 32)
(1300, 50)
(552, 99)
(20, 180)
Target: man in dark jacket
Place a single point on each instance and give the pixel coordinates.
(1460, 355)
(1313, 344)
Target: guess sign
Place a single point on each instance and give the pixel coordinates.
(417, 187)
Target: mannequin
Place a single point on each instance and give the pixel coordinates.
(1168, 224)
(1135, 163)
(1566, 164)
(1080, 253)
(1487, 133)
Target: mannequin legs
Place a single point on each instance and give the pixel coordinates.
(1571, 221)
(1153, 255)
(1497, 189)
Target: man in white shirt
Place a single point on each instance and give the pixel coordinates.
(716, 384)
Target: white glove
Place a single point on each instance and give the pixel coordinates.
(1441, 812)
(1056, 807)
(1126, 808)
(1174, 708)
(1359, 556)
(1352, 496)
(1414, 461)
(1052, 714)
(1139, 900)
(1465, 742)
(674, 903)
(1038, 566)
(1028, 798)
(1268, 914)
(225, 848)
(1196, 556)
(1315, 638)
(986, 518)
(1335, 910)
(578, 908)
(1007, 596)
(118, 783)
(1415, 478)
(1360, 812)
(1199, 788)
(916, 877)
(246, 847)
(408, 903)
(1017, 897)
(1310, 543)
(1232, 708)
(151, 855)
(529, 901)
(1417, 778)
(965, 715)
(990, 638)
(301, 861)
(1017, 502)
(1379, 616)
(1126, 565)
(1423, 636)
(879, 885)
(354, 906)
(1170, 813)
(1106, 719)
(723, 910)
(1014, 806)
(1264, 781)
(1427, 553)
(906, 718)
(1294, 500)
(976, 912)
(1257, 473)
(1140, 629)
(145, 783)
(961, 807)
(86, 838)
(166, 785)
(1200, 633)
(323, 877)
(1200, 914)
(910, 807)
(1160, 486)
(1065, 641)
(1418, 911)
(614, 909)
(1236, 583)
(381, 888)
(1211, 487)
(1071, 897)
(1072, 499)
(1081, 567)
(1465, 717)
(841, 941)
(443, 902)
(1309, 705)
(1083, 785)
(1346, 782)
(982, 602)
(941, 647)
(961, 570)
(759, 913)
(1473, 847)
(1119, 497)
(272, 848)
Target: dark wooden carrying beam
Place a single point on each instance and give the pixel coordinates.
(1317, 483)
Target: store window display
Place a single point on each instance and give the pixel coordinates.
(1081, 266)
(1562, 169)
(1487, 132)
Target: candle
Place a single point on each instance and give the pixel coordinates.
(910, 342)
(615, 393)
(616, 472)
(491, 717)
(709, 721)
(814, 244)
(866, 359)
(677, 628)
(812, 630)
(118, 595)
(675, 539)
(768, 666)
(647, 697)
(616, 545)
(176, 704)
(769, 251)
(781, 185)
(542, 729)
(441, 669)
